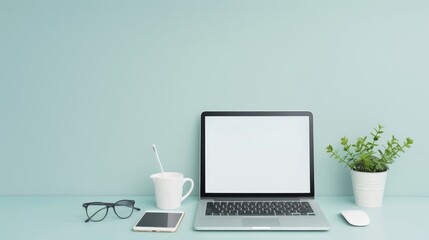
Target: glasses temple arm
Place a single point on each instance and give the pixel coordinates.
(89, 218)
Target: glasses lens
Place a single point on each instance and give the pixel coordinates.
(96, 212)
(123, 208)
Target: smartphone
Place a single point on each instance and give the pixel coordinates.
(159, 221)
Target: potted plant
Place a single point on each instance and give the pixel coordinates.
(368, 164)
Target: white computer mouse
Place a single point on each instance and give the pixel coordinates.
(357, 218)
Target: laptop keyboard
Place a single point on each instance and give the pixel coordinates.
(259, 208)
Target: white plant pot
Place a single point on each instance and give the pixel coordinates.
(368, 188)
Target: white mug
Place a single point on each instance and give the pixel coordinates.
(169, 189)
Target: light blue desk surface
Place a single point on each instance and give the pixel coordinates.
(62, 217)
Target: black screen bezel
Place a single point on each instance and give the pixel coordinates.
(204, 194)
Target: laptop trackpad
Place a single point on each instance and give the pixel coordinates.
(261, 222)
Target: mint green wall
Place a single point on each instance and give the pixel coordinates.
(87, 86)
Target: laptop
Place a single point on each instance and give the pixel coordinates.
(257, 172)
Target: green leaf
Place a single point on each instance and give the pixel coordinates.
(360, 155)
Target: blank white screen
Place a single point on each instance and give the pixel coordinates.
(257, 154)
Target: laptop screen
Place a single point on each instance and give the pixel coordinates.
(257, 154)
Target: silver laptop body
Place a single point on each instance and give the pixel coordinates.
(257, 156)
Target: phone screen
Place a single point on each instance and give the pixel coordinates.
(159, 219)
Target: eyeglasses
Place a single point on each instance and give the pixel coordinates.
(97, 211)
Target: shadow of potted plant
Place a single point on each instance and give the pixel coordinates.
(368, 164)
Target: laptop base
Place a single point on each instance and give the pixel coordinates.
(203, 222)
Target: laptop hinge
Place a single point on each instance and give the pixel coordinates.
(256, 199)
